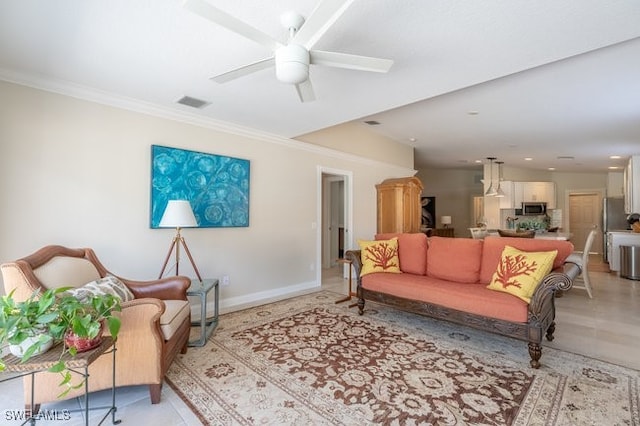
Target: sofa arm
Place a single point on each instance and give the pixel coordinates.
(170, 288)
(356, 262)
(560, 279)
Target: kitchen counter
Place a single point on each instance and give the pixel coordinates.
(566, 236)
(617, 239)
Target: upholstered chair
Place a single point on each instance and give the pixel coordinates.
(155, 324)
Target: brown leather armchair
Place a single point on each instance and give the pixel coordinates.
(155, 325)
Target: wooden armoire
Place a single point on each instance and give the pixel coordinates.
(399, 206)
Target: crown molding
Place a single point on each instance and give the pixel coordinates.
(67, 88)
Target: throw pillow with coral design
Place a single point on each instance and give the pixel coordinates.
(379, 256)
(520, 272)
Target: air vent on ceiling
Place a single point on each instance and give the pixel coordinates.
(372, 122)
(565, 157)
(193, 102)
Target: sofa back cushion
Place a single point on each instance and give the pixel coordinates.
(412, 251)
(493, 247)
(455, 259)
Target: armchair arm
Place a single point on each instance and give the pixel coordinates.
(169, 288)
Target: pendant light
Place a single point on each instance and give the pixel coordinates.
(491, 191)
(500, 193)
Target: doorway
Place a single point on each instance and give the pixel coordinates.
(335, 218)
(585, 211)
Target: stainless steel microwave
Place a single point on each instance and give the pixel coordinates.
(534, 208)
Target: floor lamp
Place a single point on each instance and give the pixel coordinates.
(178, 214)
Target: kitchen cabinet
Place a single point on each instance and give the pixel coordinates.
(544, 192)
(616, 239)
(508, 201)
(632, 185)
(399, 205)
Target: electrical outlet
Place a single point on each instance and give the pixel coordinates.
(225, 280)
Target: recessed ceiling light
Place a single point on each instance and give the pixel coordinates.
(551, 168)
(615, 157)
(528, 158)
(478, 161)
(614, 167)
(412, 139)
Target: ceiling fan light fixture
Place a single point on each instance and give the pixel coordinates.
(292, 64)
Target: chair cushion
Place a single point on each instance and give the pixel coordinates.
(175, 312)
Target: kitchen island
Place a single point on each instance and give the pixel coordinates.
(541, 235)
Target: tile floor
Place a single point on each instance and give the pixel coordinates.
(606, 327)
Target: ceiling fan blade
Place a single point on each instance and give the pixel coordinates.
(244, 70)
(352, 62)
(305, 91)
(207, 11)
(320, 20)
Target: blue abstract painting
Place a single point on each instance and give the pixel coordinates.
(216, 186)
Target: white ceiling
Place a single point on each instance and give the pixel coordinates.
(547, 78)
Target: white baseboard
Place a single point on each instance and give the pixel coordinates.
(237, 303)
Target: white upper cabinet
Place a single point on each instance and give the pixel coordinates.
(632, 185)
(507, 202)
(543, 192)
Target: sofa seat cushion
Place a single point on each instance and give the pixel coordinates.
(465, 297)
(455, 259)
(175, 312)
(493, 247)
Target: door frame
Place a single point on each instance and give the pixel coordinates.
(324, 206)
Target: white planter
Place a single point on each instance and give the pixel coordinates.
(19, 350)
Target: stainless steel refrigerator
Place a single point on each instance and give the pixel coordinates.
(613, 218)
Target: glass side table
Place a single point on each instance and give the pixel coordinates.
(207, 325)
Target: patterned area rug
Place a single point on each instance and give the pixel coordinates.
(308, 361)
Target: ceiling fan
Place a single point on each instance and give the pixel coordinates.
(292, 60)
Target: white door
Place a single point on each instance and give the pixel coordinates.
(585, 211)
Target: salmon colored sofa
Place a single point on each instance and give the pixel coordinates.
(447, 278)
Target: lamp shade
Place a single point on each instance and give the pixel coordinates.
(178, 214)
(445, 220)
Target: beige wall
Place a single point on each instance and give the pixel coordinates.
(76, 173)
(356, 138)
(454, 191)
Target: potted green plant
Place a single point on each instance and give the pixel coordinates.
(25, 325)
(57, 315)
(80, 324)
